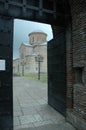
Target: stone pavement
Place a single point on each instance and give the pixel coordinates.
(31, 111)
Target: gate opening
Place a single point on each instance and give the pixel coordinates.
(30, 95)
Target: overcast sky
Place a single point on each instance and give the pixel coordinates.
(21, 30)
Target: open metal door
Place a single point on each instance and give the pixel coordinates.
(57, 73)
(6, 94)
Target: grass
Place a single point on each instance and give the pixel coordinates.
(33, 76)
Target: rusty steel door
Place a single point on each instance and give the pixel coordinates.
(57, 74)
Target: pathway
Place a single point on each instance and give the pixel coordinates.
(31, 111)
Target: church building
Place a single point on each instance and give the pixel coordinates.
(32, 56)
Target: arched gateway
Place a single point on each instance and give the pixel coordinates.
(61, 14)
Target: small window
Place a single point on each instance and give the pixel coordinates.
(79, 75)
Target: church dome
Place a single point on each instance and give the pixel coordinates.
(37, 37)
(37, 31)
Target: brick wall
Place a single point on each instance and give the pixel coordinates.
(78, 11)
(78, 114)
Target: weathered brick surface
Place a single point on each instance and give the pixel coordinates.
(78, 11)
(77, 115)
(79, 32)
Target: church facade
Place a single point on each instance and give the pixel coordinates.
(32, 56)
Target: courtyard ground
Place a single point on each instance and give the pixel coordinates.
(31, 110)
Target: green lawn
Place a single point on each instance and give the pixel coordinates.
(43, 77)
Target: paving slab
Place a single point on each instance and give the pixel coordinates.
(31, 110)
